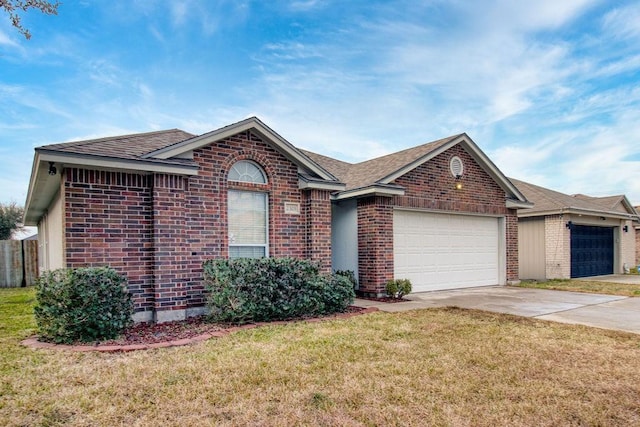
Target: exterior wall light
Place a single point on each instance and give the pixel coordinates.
(52, 169)
(625, 228)
(458, 185)
(569, 224)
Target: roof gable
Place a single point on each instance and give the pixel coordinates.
(549, 202)
(377, 175)
(253, 124)
(618, 203)
(167, 151)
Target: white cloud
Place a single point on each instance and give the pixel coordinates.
(7, 41)
(526, 16)
(623, 22)
(306, 5)
(179, 10)
(32, 98)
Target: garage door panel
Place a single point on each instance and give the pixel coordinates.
(446, 251)
(591, 250)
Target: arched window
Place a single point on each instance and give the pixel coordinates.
(246, 171)
(247, 213)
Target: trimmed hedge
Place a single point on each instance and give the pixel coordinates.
(83, 304)
(264, 289)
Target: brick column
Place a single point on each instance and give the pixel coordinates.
(511, 226)
(557, 247)
(170, 251)
(318, 214)
(375, 244)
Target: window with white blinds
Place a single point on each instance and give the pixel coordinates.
(248, 224)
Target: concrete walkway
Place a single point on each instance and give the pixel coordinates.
(601, 311)
(633, 279)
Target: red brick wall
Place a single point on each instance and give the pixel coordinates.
(318, 214)
(512, 245)
(108, 221)
(157, 230)
(432, 186)
(170, 223)
(206, 199)
(375, 244)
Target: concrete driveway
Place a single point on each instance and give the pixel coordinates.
(601, 311)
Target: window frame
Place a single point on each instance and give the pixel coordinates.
(257, 166)
(265, 203)
(250, 185)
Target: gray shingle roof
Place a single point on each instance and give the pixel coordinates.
(335, 167)
(374, 171)
(130, 147)
(546, 200)
(607, 202)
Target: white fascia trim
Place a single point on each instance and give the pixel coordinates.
(517, 204)
(369, 191)
(119, 164)
(32, 183)
(577, 211)
(492, 169)
(629, 206)
(279, 142)
(303, 185)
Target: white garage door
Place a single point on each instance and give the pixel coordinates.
(442, 251)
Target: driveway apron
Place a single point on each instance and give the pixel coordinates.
(601, 311)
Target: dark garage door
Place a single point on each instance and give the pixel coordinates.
(591, 251)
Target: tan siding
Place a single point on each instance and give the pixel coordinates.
(50, 237)
(56, 235)
(531, 249)
(637, 232)
(43, 263)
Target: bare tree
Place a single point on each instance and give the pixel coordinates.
(14, 7)
(10, 219)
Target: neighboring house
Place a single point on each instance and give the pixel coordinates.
(568, 236)
(156, 205)
(637, 227)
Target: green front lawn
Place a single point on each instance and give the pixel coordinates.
(423, 367)
(577, 285)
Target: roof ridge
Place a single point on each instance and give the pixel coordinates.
(401, 152)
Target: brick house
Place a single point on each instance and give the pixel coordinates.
(566, 236)
(156, 205)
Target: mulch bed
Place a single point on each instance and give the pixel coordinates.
(151, 333)
(386, 299)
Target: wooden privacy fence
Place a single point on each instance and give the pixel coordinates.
(18, 263)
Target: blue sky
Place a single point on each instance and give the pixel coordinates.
(548, 89)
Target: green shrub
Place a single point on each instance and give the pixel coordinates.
(264, 289)
(398, 288)
(349, 274)
(84, 304)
